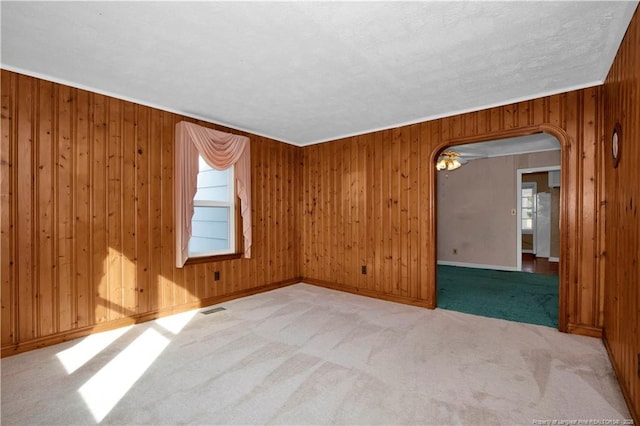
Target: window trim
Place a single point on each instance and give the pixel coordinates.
(534, 186)
(239, 251)
(232, 205)
(223, 149)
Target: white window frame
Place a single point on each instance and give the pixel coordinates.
(534, 186)
(231, 205)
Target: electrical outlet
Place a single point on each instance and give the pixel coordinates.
(364, 269)
(216, 276)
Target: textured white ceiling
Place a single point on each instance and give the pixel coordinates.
(508, 146)
(307, 72)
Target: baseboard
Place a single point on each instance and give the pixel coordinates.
(585, 330)
(477, 266)
(136, 319)
(370, 293)
(623, 387)
(554, 259)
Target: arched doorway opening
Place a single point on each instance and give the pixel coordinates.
(451, 244)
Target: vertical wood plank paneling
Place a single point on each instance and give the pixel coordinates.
(129, 189)
(114, 209)
(427, 223)
(622, 228)
(368, 168)
(589, 306)
(24, 222)
(8, 321)
(65, 208)
(81, 217)
(403, 264)
(269, 178)
(154, 212)
(339, 206)
(403, 174)
(87, 216)
(363, 206)
(570, 121)
(99, 212)
(324, 240)
(496, 120)
(378, 206)
(347, 207)
(354, 208)
(523, 114)
(356, 205)
(45, 212)
(143, 212)
(414, 211)
(258, 203)
(537, 111)
(392, 206)
(263, 213)
(167, 249)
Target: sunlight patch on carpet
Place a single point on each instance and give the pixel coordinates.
(175, 323)
(103, 391)
(86, 349)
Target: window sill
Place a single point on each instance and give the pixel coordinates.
(215, 258)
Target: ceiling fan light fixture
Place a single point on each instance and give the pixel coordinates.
(448, 160)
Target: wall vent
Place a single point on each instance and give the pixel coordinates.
(213, 310)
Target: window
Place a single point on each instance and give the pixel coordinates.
(204, 198)
(213, 222)
(528, 207)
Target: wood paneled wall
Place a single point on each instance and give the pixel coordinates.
(87, 216)
(622, 223)
(370, 200)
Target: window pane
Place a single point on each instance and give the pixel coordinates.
(527, 202)
(213, 185)
(213, 178)
(527, 223)
(202, 165)
(208, 214)
(210, 230)
(214, 193)
(201, 246)
(215, 230)
(211, 224)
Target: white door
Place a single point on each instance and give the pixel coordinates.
(543, 224)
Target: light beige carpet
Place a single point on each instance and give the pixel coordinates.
(308, 355)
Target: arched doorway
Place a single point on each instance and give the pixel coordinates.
(562, 139)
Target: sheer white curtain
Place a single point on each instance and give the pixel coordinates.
(220, 150)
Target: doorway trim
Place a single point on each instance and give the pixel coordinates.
(519, 173)
(567, 179)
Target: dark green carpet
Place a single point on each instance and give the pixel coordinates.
(515, 296)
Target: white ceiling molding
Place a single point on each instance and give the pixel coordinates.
(309, 72)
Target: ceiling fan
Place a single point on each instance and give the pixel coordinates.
(449, 160)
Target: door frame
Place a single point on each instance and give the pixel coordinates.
(519, 173)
